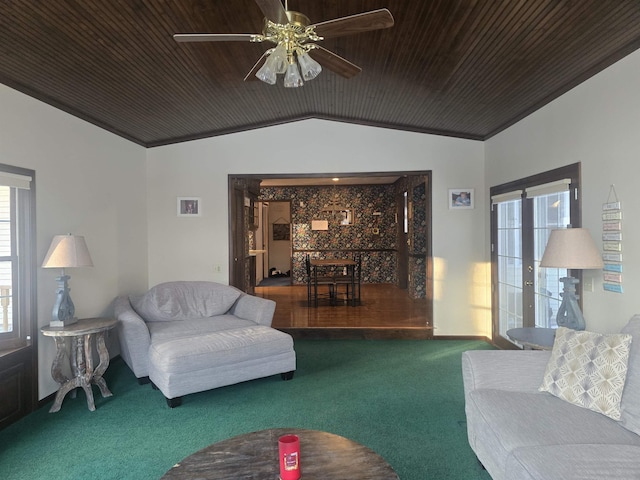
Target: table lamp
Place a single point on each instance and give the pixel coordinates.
(573, 249)
(66, 251)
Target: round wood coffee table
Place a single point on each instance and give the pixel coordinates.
(255, 456)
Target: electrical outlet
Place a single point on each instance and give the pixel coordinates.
(217, 268)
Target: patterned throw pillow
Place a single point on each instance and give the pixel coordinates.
(588, 370)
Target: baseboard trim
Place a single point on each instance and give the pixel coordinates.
(463, 337)
(387, 333)
(47, 399)
(415, 333)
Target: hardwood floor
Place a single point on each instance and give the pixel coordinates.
(385, 311)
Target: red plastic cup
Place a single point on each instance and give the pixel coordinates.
(289, 450)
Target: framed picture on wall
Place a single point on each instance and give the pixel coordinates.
(461, 198)
(189, 207)
(281, 231)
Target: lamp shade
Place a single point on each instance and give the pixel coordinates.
(571, 248)
(67, 251)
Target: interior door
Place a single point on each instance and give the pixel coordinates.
(523, 213)
(238, 238)
(265, 239)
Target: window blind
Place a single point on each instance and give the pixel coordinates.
(506, 197)
(15, 180)
(548, 188)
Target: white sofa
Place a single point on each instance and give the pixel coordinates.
(187, 337)
(520, 433)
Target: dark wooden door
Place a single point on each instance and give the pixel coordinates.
(238, 239)
(18, 384)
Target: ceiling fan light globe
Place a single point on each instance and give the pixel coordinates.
(292, 78)
(266, 73)
(279, 56)
(309, 67)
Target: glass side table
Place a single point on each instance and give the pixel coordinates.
(532, 338)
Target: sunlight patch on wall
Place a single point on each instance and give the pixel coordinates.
(439, 276)
(480, 297)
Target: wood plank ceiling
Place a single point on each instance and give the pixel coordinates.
(464, 68)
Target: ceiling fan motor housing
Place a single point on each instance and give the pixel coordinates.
(298, 19)
(295, 27)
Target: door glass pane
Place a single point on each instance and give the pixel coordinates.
(6, 311)
(6, 319)
(549, 212)
(5, 221)
(509, 265)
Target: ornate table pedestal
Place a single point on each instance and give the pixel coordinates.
(83, 373)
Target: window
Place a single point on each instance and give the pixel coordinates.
(17, 271)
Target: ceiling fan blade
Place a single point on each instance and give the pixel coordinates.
(252, 73)
(334, 62)
(213, 37)
(273, 10)
(362, 22)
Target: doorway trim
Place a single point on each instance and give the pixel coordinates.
(235, 179)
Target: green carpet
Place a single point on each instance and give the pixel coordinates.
(401, 398)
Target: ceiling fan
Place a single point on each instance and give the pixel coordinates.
(296, 55)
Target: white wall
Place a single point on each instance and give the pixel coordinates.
(597, 124)
(190, 248)
(88, 182)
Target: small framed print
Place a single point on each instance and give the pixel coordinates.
(319, 225)
(281, 231)
(461, 198)
(189, 207)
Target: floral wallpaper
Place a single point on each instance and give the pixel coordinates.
(373, 236)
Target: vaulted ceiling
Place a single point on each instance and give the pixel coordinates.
(464, 68)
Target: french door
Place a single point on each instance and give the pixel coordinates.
(18, 319)
(523, 213)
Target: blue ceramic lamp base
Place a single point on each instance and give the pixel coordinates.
(63, 310)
